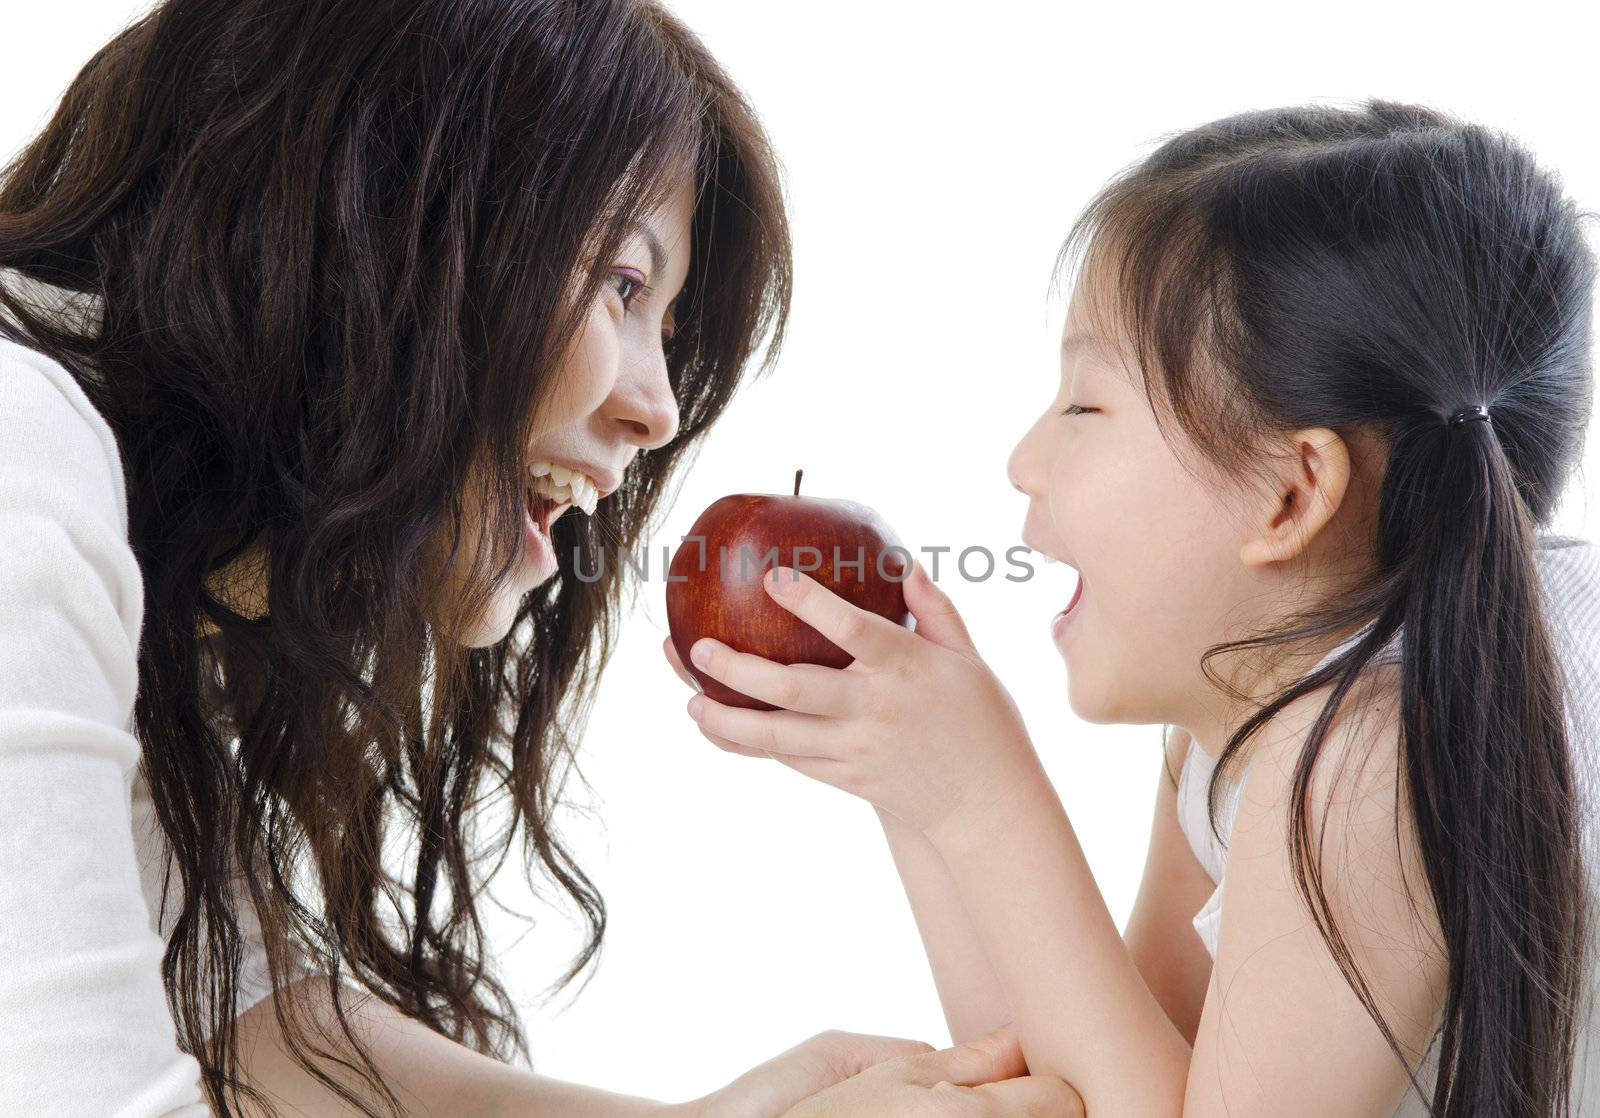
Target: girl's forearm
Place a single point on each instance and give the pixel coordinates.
(969, 991)
(1083, 1011)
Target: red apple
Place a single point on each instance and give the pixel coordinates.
(714, 580)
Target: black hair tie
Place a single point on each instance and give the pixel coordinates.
(1466, 415)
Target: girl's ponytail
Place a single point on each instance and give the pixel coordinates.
(1486, 765)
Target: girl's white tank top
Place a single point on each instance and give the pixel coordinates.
(1569, 570)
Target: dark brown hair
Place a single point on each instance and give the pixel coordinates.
(338, 248)
(1376, 270)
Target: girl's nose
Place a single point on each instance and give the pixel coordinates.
(1022, 467)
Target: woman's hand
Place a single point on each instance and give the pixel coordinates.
(770, 1089)
(984, 1078)
(917, 724)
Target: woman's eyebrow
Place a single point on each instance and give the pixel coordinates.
(658, 254)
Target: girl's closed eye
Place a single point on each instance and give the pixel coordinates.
(1077, 409)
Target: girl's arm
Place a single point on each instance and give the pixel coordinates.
(1281, 1031)
(970, 993)
(1160, 934)
(920, 726)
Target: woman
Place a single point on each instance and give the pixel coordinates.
(319, 314)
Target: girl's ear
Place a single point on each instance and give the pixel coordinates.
(1309, 486)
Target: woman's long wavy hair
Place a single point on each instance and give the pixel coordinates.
(1377, 269)
(337, 249)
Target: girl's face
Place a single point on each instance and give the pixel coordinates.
(611, 398)
(1157, 550)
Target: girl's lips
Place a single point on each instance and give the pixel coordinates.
(1063, 620)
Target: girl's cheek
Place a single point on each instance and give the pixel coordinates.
(1075, 503)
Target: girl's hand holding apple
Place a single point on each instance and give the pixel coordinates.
(917, 724)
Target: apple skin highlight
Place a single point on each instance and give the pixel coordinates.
(712, 592)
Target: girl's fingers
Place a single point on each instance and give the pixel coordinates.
(677, 664)
(771, 731)
(734, 747)
(720, 742)
(861, 633)
(804, 688)
(937, 616)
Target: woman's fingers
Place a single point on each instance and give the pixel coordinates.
(850, 1054)
(993, 1056)
(799, 1074)
(1030, 1096)
(992, 1068)
(803, 688)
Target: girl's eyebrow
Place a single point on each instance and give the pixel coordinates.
(1071, 343)
(1110, 363)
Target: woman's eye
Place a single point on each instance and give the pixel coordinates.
(1074, 409)
(628, 284)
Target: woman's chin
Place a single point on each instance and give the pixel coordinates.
(497, 620)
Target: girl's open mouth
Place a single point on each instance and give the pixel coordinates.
(1076, 594)
(1063, 620)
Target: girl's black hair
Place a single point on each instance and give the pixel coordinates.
(1379, 269)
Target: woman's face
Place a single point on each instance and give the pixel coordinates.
(1156, 550)
(611, 399)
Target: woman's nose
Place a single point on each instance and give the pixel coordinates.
(646, 407)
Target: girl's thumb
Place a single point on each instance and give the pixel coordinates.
(937, 617)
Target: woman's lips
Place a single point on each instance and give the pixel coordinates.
(540, 512)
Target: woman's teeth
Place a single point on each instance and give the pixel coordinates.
(563, 485)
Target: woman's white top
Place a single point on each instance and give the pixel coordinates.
(85, 1028)
(1569, 571)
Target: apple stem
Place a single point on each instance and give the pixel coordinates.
(797, 474)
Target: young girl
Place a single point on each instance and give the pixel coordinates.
(1324, 375)
(301, 303)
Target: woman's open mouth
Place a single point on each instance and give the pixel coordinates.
(539, 513)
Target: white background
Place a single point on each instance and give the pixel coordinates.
(934, 160)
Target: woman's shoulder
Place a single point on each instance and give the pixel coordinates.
(51, 431)
(67, 568)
